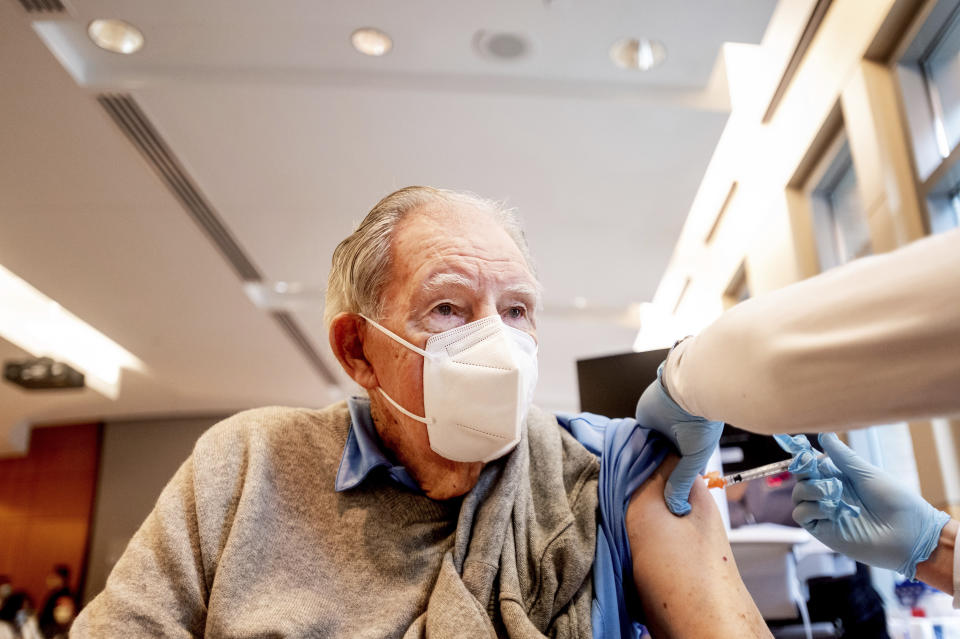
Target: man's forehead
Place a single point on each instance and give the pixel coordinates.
(428, 237)
(441, 218)
(438, 249)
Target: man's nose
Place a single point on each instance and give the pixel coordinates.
(486, 308)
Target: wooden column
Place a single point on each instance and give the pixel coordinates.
(896, 213)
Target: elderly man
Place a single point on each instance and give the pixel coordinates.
(443, 504)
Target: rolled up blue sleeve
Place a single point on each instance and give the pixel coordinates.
(629, 453)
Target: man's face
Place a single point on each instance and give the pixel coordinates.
(450, 266)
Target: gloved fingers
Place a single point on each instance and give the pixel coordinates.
(808, 512)
(827, 468)
(817, 489)
(847, 461)
(677, 491)
(804, 464)
(793, 444)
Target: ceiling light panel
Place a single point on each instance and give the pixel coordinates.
(43, 328)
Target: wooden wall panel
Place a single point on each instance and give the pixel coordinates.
(46, 501)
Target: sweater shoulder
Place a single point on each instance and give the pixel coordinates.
(274, 431)
(257, 456)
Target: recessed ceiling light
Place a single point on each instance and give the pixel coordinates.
(115, 35)
(639, 54)
(370, 41)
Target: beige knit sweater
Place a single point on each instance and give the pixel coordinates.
(249, 539)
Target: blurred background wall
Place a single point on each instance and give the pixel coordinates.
(137, 459)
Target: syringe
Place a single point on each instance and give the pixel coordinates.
(715, 481)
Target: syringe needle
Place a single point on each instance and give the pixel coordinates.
(715, 481)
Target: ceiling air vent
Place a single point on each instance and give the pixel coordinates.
(128, 115)
(502, 47)
(43, 6)
(293, 331)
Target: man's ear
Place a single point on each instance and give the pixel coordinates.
(346, 339)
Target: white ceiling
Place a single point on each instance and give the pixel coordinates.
(568, 39)
(292, 136)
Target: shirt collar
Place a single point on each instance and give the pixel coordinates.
(363, 451)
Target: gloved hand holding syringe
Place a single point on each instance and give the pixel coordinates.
(804, 458)
(714, 480)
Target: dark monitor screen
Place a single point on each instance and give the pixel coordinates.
(611, 385)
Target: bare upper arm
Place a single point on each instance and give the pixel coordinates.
(683, 568)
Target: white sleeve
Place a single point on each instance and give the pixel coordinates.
(874, 341)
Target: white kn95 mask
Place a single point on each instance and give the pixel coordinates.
(478, 382)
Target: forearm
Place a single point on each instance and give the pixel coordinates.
(683, 568)
(876, 340)
(937, 570)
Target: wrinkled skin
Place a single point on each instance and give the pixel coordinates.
(450, 265)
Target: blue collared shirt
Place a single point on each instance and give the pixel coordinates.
(362, 452)
(628, 455)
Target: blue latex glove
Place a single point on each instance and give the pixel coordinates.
(695, 438)
(804, 464)
(859, 510)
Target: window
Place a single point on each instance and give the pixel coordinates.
(929, 73)
(944, 211)
(941, 70)
(839, 223)
(737, 290)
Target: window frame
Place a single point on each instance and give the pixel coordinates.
(936, 163)
(819, 187)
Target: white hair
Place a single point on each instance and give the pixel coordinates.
(361, 262)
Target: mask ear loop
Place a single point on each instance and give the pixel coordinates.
(422, 420)
(386, 331)
(402, 342)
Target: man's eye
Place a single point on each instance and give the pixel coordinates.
(444, 309)
(516, 312)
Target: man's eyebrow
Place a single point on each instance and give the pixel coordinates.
(439, 281)
(522, 290)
